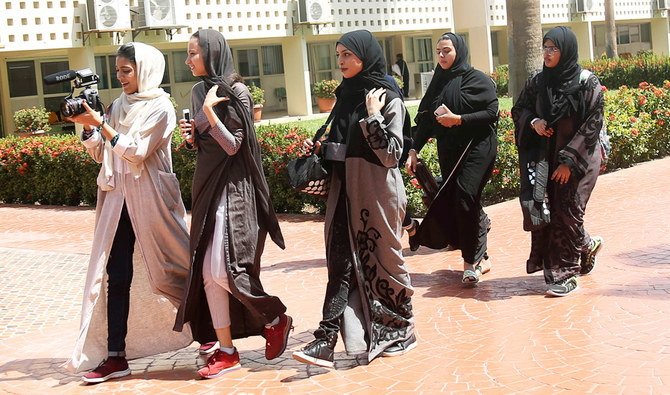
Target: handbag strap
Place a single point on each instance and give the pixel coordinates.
(323, 128)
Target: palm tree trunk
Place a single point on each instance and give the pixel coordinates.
(610, 34)
(525, 39)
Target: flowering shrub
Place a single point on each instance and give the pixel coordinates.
(257, 94)
(32, 119)
(501, 77)
(325, 89)
(57, 170)
(645, 66)
(48, 170)
(398, 81)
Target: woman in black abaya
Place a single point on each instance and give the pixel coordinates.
(460, 109)
(558, 119)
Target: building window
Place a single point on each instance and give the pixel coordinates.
(111, 61)
(247, 62)
(322, 61)
(423, 52)
(182, 73)
(54, 67)
(273, 60)
(22, 78)
(102, 71)
(166, 73)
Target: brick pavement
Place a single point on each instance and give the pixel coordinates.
(502, 336)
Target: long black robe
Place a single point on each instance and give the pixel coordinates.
(456, 217)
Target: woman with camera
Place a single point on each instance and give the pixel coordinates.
(231, 217)
(138, 200)
(369, 293)
(460, 109)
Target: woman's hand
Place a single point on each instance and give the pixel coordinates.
(90, 118)
(448, 119)
(540, 126)
(412, 160)
(308, 144)
(374, 100)
(562, 174)
(212, 99)
(186, 129)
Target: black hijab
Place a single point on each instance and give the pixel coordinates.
(350, 104)
(445, 87)
(558, 87)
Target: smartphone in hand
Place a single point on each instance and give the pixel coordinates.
(441, 110)
(187, 116)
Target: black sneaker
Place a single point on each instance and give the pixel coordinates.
(588, 260)
(563, 288)
(319, 352)
(400, 348)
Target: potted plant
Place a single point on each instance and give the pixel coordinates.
(325, 94)
(32, 121)
(258, 97)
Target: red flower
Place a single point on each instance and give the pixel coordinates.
(633, 119)
(612, 117)
(634, 132)
(496, 171)
(642, 100)
(660, 122)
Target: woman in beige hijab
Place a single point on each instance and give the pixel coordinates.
(138, 200)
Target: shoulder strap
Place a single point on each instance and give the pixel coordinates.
(323, 127)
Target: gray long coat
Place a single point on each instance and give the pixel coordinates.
(376, 203)
(158, 217)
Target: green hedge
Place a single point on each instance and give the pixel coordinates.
(57, 170)
(643, 67)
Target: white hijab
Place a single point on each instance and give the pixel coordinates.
(133, 110)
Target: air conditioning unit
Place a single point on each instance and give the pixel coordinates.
(662, 4)
(108, 15)
(582, 6)
(159, 13)
(313, 11)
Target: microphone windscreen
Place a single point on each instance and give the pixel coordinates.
(61, 76)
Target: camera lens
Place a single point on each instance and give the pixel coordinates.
(70, 107)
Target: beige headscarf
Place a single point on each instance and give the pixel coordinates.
(134, 110)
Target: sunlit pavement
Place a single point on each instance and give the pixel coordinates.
(502, 336)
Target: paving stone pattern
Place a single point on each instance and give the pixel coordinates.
(503, 336)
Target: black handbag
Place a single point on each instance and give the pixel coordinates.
(306, 173)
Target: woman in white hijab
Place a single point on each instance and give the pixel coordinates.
(138, 200)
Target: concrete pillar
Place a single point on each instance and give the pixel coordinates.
(480, 48)
(296, 74)
(5, 104)
(584, 33)
(660, 36)
(81, 58)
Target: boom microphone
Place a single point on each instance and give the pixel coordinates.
(61, 76)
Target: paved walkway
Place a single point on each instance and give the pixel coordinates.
(503, 336)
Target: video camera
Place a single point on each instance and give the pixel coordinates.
(83, 78)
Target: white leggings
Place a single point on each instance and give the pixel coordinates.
(214, 274)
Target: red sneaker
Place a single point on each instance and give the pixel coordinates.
(207, 348)
(113, 367)
(220, 363)
(276, 337)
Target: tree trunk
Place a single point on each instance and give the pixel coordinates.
(525, 39)
(610, 33)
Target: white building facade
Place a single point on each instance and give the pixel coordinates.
(283, 46)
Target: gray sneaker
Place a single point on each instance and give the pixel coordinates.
(588, 260)
(563, 288)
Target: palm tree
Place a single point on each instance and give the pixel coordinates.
(610, 34)
(525, 39)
